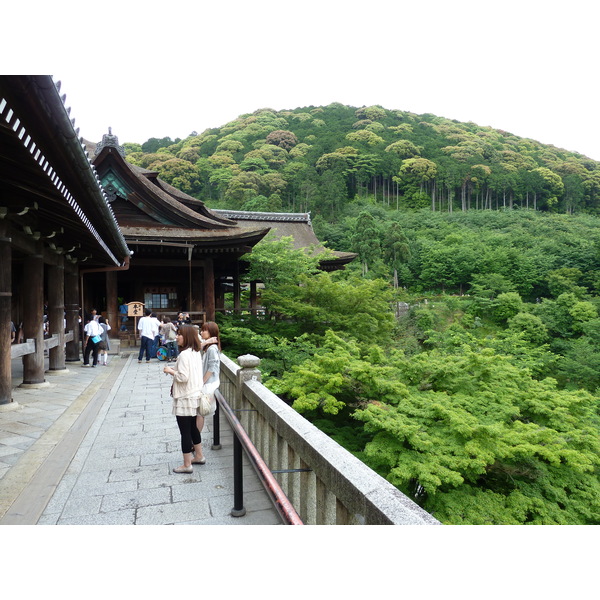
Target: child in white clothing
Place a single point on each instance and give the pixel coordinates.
(104, 347)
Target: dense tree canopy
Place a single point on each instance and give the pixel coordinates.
(392, 156)
(459, 355)
(482, 407)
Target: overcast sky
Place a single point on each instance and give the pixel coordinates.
(151, 68)
(158, 68)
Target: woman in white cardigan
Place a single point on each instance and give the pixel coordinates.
(187, 385)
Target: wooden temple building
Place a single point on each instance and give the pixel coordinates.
(81, 228)
(185, 256)
(55, 225)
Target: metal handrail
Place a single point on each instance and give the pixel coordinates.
(241, 439)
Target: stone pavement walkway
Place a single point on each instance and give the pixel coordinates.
(97, 446)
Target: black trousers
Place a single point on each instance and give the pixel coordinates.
(189, 433)
(90, 347)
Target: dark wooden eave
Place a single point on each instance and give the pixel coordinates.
(154, 215)
(160, 201)
(48, 187)
(234, 241)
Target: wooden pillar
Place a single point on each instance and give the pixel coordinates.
(237, 303)
(72, 311)
(253, 311)
(209, 289)
(219, 296)
(5, 314)
(56, 313)
(197, 287)
(33, 319)
(112, 303)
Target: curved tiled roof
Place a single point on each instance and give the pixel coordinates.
(47, 177)
(174, 216)
(295, 225)
(155, 197)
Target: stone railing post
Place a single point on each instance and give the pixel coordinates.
(248, 372)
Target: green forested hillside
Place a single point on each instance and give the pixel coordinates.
(459, 355)
(482, 406)
(319, 159)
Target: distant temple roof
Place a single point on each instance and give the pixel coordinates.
(296, 225)
(151, 211)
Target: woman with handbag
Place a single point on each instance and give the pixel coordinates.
(186, 390)
(211, 363)
(169, 331)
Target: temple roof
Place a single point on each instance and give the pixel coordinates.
(159, 201)
(154, 215)
(151, 211)
(295, 225)
(48, 185)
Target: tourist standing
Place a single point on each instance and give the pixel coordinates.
(93, 335)
(186, 388)
(169, 331)
(148, 331)
(211, 367)
(104, 346)
(123, 310)
(156, 341)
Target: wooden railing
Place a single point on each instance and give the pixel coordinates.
(28, 346)
(326, 484)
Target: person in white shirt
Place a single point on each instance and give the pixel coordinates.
(156, 341)
(148, 329)
(92, 331)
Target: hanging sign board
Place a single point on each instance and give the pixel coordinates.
(135, 309)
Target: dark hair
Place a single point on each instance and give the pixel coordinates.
(166, 320)
(147, 312)
(101, 319)
(213, 330)
(191, 338)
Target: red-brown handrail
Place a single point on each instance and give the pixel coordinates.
(280, 500)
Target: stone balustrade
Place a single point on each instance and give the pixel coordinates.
(326, 484)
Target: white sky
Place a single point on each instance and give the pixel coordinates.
(166, 68)
(158, 68)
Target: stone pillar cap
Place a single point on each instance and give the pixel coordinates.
(248, 360)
